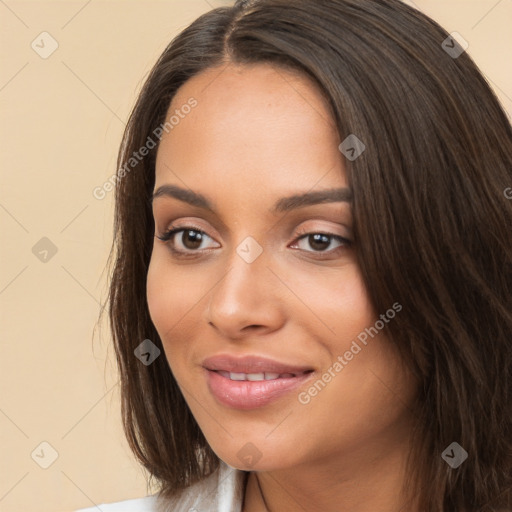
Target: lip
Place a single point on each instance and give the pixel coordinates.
(247, 394)
(251, 364)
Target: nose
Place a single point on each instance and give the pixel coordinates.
(246, 300)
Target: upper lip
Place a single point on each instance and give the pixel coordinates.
(251, 364)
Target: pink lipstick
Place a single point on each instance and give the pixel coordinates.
(251, 381)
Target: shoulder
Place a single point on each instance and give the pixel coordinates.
(222, 491)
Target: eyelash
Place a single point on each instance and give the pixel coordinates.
(301, 234)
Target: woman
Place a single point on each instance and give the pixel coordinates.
(311, 297)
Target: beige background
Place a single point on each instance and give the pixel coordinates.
(61, 124)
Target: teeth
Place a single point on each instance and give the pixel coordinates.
(254, 376)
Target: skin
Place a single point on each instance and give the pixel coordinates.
(259, 134)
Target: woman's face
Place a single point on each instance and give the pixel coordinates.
(262, 284)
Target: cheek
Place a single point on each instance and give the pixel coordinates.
(175, 297)
(339, 303)
(171, 291)
(159, 302)
(169, 296)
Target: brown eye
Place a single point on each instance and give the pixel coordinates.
(191, 238)
(319, 241)
(186, 241)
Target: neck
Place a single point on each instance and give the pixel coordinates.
(365, 479)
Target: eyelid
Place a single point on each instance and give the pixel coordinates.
(173, 229)
(299, 232)
(186, 224)
(327, 231)
(299, 235)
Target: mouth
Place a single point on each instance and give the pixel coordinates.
(254, 377)
(255, 366)
(250, 382)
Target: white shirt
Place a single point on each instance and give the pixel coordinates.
(222, 491)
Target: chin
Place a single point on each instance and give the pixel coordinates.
(254, 456)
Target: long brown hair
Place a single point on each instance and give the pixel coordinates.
(432, 225)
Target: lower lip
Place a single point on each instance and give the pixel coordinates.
(246, 394)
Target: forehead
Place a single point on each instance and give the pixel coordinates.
(251, 84)
(259, 123)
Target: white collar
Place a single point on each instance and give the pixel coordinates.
(222, 491)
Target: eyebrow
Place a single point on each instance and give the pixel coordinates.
(284, 204)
